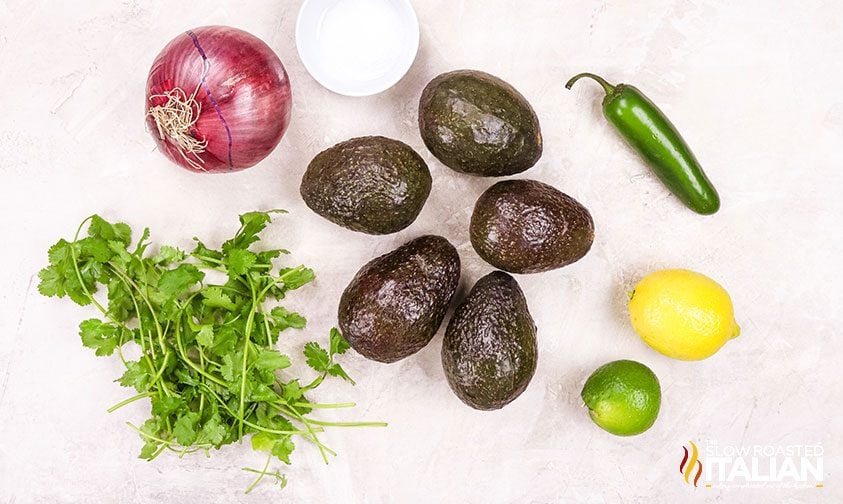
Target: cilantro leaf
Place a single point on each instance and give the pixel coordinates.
(99, 335)
(260, 392)
(149, 429)
(61, 278)
(165, 405)
(167, 255)
(52, 282)
(184, 429)
(205, 336)
(292, 391)
(251, 224)
(230, 369)
(96, 248)
(337, 370)
(262, 441)
(272, 360)
(225, 340)
(76, 291)
(137, 375)
(100, 228)
(148, 450)
(283, 448)
(213, 431)
(323, 361)
(120, 304)
(272, 420)
(280, 446)
(53, 277)
(206, 255)
(294, 278)
(284, 319)
(267, 256)
(239, 261)
(338, 342)
(317, 357)
(214, 297)
(142, 243)
(120, 255)
(179, 280)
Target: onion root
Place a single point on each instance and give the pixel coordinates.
(175, 119)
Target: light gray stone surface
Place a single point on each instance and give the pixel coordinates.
(754, 87)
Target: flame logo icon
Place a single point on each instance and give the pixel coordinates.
(689, 463)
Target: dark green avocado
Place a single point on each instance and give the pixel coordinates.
(373, 185)
(489, 351)
(476, 123)
(526, 226)
(396, 302)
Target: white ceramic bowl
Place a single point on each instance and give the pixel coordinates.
(357, 47)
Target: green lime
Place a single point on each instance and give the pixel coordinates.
(623, 397)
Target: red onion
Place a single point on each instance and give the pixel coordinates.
(218, 99)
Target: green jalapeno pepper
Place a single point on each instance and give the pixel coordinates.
(653, 136)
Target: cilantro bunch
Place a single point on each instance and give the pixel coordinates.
(208, 361)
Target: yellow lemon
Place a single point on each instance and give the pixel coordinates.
(682, 314)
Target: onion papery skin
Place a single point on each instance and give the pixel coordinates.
(244, 99)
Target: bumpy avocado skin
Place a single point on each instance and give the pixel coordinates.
(526, 226)
(373, 185)
(396, 302)
(476, 123)
(489, 352)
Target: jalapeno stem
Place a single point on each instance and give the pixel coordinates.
(608, 88)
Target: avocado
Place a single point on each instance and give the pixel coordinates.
(476, 123)
(373, 185)
(526, 226)
(489, 351)
(396, 302)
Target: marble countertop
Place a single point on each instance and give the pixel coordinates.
(753, 87)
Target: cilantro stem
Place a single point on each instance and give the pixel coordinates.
(150, 361)
(250, 424)
(122, 274)
(307, 420)
(188, 361)
(313, 437)
(265, 326)
(260, 475)
(160, 372)
(162, 441)
(293, 271)
(221, 264)
(247, 333)
(201, 377)
(324, 406)
(129, 401)
(158, 451)
(232, 289)
(207, 259)
(347, 424)
(157, 379)
(120, 343)
(138, 313)
(315, 383)
(95, 302)
(79, 273)
(187, 450)
(85, 287)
